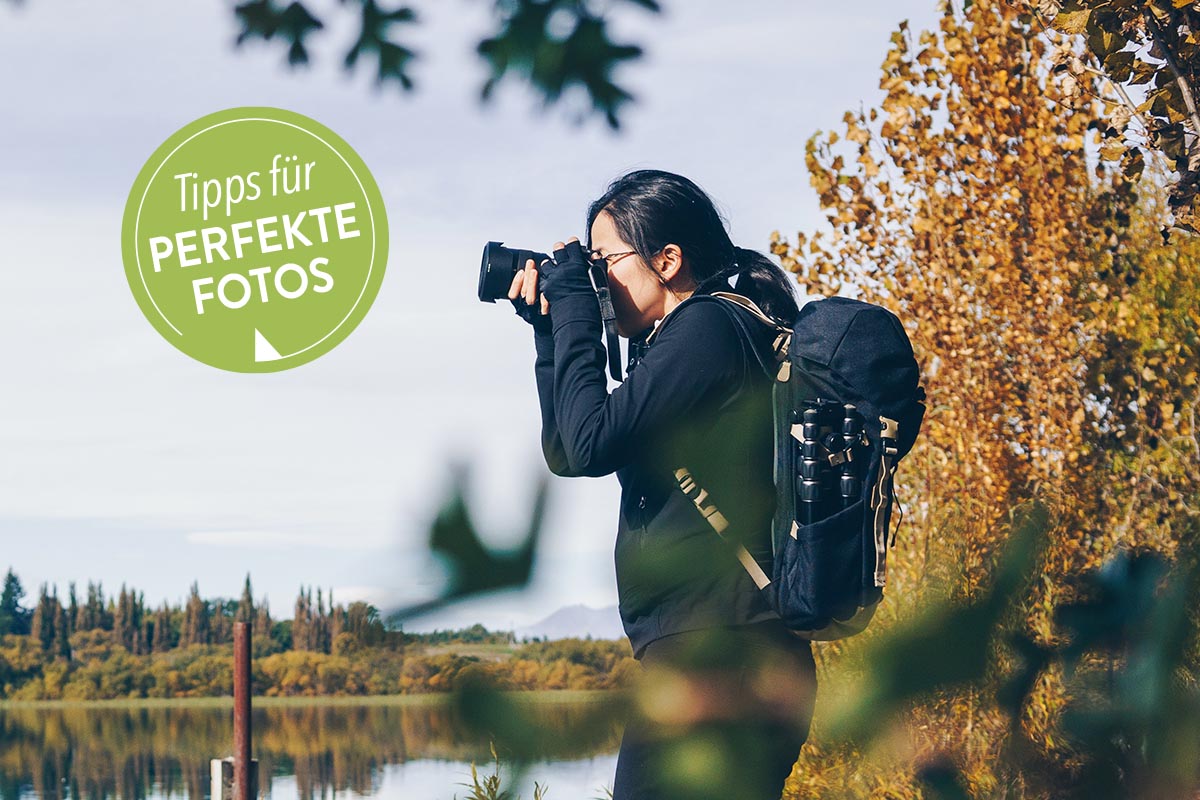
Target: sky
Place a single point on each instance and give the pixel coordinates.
(124, 461)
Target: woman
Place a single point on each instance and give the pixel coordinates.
(695, 397)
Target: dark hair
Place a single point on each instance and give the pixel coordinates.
(651, 209)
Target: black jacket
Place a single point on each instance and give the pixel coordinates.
(697, 399)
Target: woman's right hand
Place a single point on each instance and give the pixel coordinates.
(523, 293)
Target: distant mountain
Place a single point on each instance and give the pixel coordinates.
(576, 622)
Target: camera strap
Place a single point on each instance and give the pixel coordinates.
(609, 316)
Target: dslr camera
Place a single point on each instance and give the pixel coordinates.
(500, 265)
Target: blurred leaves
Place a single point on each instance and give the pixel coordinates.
(393, 58)
(264, 19)
(557, 44)
(554, 45)
(474, 567)
(948, 645)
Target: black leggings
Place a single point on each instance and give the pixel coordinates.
(747, 756)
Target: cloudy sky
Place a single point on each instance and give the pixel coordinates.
(122, 460)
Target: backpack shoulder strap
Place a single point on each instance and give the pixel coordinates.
(749, 305)
(780, 367)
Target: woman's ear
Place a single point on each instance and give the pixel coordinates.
(669, 263)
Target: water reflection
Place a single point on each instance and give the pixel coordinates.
(133, 753)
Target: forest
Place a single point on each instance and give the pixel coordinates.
(94, 646)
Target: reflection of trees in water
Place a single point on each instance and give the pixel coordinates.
(133, 752)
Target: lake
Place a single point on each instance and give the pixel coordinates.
(410, 748)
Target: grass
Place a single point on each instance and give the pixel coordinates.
(490, 787)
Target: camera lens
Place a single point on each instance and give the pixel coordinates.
(498, 268)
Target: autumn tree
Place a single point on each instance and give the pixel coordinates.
(966, 204)
(1055, 329)
(195, 619)
(162, 636)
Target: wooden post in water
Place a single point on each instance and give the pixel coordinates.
(237, 778)
(241, 712)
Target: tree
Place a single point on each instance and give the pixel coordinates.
(245, 609)
(61, 643)
(46, 614)
(195, 619)
(1138, 43)
(13, 617)
(1055, 328)
(163, 639)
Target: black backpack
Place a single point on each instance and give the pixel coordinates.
(847, 408)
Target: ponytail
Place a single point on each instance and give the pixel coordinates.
(757, 277)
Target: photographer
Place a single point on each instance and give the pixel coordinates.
(695, 394)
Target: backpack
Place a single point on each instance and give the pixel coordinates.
(847, 408)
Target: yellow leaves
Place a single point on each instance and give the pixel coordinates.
(870, 167)
(1072, 22)
(897, 119)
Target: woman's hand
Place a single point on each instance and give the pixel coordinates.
(568, 273)
(524, 296)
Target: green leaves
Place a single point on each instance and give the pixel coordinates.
(263, 19)
(475, 567)
(393, 58)
(557, 45)
(554, 45)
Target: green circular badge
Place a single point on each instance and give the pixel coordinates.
(254, 239)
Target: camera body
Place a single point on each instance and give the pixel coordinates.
(500, 265)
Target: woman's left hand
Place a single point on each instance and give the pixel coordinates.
(568, 273)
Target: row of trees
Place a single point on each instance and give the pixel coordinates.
(316, 625)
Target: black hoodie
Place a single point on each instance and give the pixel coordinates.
(697, 399)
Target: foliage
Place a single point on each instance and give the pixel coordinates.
(554, 45)
(474, 567)
(1058, 336)
(1150, 44)
(101, 668)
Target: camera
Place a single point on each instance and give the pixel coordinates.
(500, 265)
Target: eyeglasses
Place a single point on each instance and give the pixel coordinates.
(611, 258)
